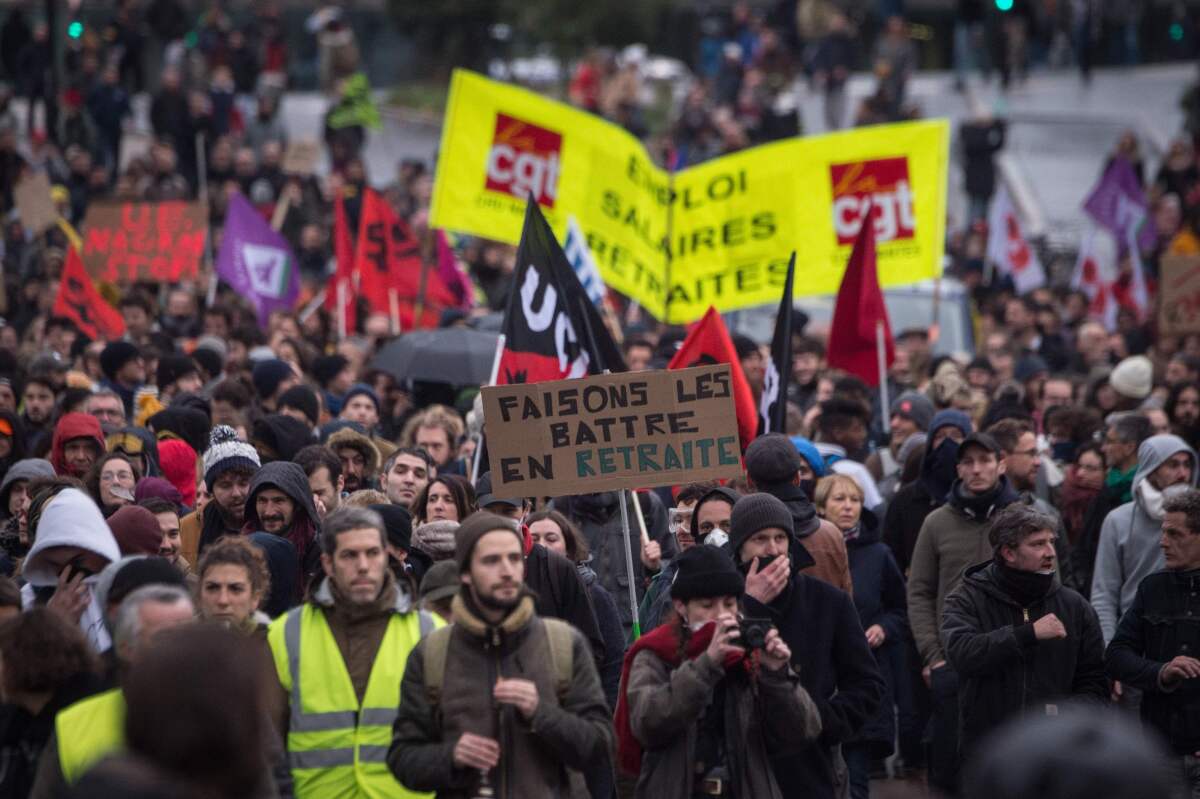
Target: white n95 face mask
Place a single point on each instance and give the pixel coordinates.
(717, 538)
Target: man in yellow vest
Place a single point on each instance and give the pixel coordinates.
(93, 728)
(340, 658)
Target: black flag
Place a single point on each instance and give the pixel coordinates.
(772, 410)
(551, 330)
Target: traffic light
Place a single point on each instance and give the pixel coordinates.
(1004, 5)
(75, 29)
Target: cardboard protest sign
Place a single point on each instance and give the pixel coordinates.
(301, 157)
(37, 210)
(726, 226)
(1179, 293)
(158, 242)
(632, 430)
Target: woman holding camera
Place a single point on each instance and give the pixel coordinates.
(881, 602)
(700, 714)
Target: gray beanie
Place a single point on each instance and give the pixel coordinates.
(435, 539)
(754, 513)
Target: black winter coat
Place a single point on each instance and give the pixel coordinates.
(1162, 623)
(1002, 668)
(820, 625)
(880, 598)
(902, 522)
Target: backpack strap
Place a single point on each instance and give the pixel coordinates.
(433, 659)
(561, 637)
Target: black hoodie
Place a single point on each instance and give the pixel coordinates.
(305, 528)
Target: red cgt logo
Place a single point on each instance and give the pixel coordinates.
(884, 184)
(524, 159)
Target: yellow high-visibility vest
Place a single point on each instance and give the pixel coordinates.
(337, 748)
(89, 730)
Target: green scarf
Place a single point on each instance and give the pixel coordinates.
(1117, 480)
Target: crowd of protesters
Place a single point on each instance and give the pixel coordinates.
(243, 562)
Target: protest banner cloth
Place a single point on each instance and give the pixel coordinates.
(1179, 309)
(32, 196)
(551, 329)
(731, 221)
(1118, 203)
(708, 342)
(341, 297)
(860, 327)
(392, 277)
(79, 301)
(772, 408)
(1009, 249)
(257, 261)
(154, 242)
(610, 432)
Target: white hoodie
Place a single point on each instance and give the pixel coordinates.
(71, 519)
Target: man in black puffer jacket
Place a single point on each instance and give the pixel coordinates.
(1019, 641)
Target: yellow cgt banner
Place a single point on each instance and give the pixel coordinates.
(716, 234)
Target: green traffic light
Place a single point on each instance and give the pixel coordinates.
(1004, 5)
(75, 29)
(1176, 32)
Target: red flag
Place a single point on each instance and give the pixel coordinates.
(342, 287)
(388, 260)
(79, 301)
(859, 308)
(708, 342)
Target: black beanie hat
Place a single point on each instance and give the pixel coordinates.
(328, 367)
(772, 459)
(476, 526)
(141, 572)
(757, 512)
(172, 367)
(705, 571)
(115, 355)
(209, 360)
(267, 376)
(397, 521)
(302, 398)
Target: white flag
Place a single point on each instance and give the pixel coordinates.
(581, 260)
(1008, 248)
(1094, 275)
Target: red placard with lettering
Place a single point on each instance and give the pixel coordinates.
(157, 242)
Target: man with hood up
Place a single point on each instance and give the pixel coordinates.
(72, 542)
(953, 538)
(281, 503)
(773, 467)
(912, 503)
(820, 625)
(1129, 538)
(77, 444)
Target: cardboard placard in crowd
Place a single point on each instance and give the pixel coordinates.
(32, 196)
(609, 432)
(301, 157)
(155, 242)
(1179, 292)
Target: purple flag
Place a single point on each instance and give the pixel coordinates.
(1118, 202)
(256, 261)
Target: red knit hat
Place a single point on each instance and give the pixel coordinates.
(137, 530)
(178, 462)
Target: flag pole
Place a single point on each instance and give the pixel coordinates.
(633, 604)
(394, 310)
(881, 351)
(341, 304)
(491, 382)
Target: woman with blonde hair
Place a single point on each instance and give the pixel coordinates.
(879, 597)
